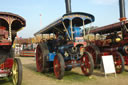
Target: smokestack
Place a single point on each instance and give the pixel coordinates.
(68, 6)
(122, 10)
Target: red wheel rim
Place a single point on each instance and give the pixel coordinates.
(85, 64)
(126, 62)
(39, 59)
(93, 52)
(118, 62)
(57, 67)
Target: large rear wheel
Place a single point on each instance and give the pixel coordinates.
(17, 72)
(118, 61)
(41, 54)
(94, 51)
(87, 64)
(59, 66)
(126, 63)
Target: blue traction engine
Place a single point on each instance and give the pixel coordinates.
(67, 49)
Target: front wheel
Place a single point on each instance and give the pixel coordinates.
(59, 66)
(87, 64)
(17, 72)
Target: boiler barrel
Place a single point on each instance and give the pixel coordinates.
(123, 49)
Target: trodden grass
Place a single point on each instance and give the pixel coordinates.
(74, 77)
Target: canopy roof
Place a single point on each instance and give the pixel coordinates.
(77, 20)
(16, 21)
(109, 28)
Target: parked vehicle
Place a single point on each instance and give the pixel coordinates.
(10, 66)
(66, 51)
(28, 49)
(113, 40)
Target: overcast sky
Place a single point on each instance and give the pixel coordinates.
(105, 11)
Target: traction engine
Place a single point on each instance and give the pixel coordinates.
(111, 40)
(10, 66)
(67, 49)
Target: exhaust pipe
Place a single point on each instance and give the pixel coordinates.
(68, 6)
(122, 10)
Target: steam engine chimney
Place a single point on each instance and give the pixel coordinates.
(122, 10)
(68, 6)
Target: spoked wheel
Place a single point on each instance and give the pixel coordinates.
(125, 55)
(40, 58)
(87, 64)
(17, 72)
(119, 62)
(94, 51)
(59, 66)
(126, 63)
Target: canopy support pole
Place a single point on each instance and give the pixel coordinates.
(10, 33)
(84, 27)
(66, 30)
(71, 29)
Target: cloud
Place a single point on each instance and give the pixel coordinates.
(104, 2)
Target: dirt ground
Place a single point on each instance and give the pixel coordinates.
(74, 77)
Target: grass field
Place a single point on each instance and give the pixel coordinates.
(74, 77)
